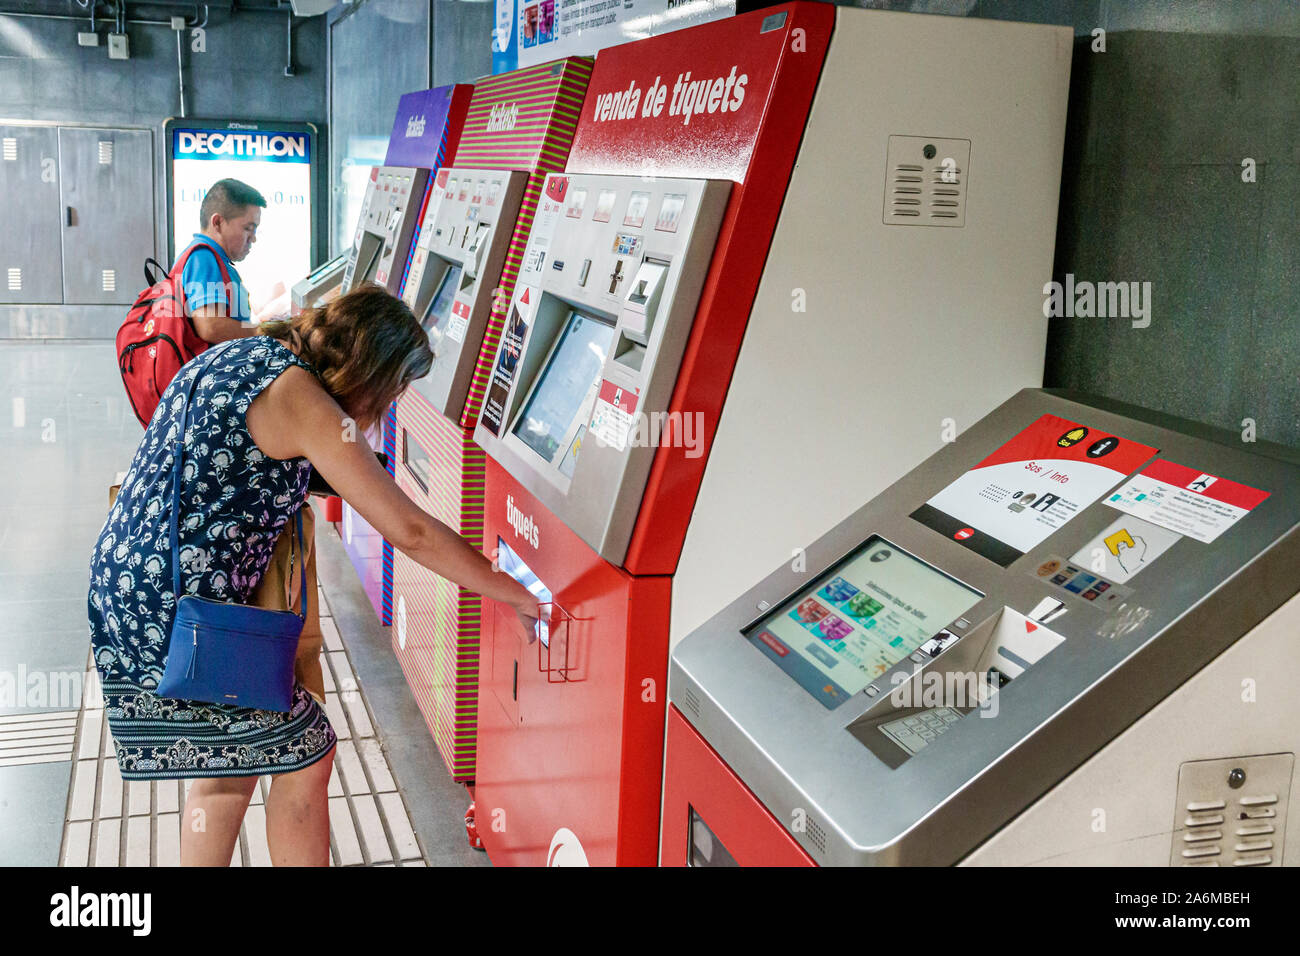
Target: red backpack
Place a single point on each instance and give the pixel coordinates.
(158, 336)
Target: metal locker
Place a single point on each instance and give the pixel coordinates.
(106, 178)
(31, 261)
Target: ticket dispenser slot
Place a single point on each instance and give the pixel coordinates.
(922, 700)
(636, 320)
(475, 257)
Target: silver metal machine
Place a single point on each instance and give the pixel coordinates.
(390, 212)
(1067, 637)
(455, 270)
(320, 285)
(594, 340)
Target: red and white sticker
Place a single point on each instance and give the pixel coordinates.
(1036, 482)
(458, 321)
(1186, 500)
(614, 415)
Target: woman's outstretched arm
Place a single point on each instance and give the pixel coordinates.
(295, 416)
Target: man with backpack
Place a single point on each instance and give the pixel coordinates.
(230, 214)
(200, 302)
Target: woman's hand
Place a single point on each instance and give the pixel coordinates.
(529, 616)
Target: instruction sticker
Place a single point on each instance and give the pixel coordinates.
(1076, 579)
(459, 323)
(1031, 486)
(1186, 500)
(614, 414)
(1125, 547)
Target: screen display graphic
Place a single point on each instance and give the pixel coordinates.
(566, 390)
(435, 320)
(860, 619)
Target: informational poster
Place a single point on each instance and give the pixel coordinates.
(275, 159)
(1186, 501)
(527, 32)
(1031, 486)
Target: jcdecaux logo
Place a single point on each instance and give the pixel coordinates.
(276, 147)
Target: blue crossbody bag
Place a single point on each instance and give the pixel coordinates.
(225, 653)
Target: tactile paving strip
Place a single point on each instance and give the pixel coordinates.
(112, 822)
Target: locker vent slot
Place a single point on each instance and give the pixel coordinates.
(10, 149)
(108, 280)
(15, 279)
(925, 181)
(1219, 824)
(105, 152)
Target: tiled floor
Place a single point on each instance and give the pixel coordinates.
(111, 822)
(65, 430)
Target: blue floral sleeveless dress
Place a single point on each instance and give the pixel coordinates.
(236, 501)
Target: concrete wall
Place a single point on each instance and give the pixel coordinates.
(1152, 191)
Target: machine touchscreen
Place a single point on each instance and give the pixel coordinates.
(372, 266)
(435, 320)
(859, 619)
(565, 392)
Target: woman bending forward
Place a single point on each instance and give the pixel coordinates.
(266, 411)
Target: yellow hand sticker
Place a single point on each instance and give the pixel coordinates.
(1115, 540)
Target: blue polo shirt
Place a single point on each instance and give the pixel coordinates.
(202, 281)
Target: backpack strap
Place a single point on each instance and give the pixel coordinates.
(178, 271)
(151, 279)
(178, 454)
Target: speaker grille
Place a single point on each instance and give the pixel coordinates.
(691, 702)
(925, 181)
(1231, 812)
(817, 836)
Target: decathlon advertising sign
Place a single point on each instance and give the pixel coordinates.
(279, 161)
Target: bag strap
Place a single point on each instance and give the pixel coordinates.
(302, 560)
(151, 279)
(179, 268)
(178, 454)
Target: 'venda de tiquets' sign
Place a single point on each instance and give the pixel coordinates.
(528, 32)
(275, 162)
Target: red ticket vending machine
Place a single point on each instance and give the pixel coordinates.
(518, 128)
(887, 233)
(426, 129)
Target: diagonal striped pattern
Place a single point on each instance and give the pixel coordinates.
(441, 654)
(112, 822)
(549, 99)
(45, 737)
(390, 418)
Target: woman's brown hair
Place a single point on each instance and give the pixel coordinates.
(366, 345)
